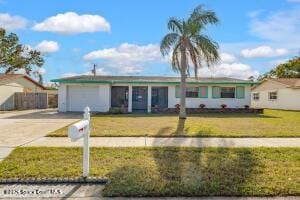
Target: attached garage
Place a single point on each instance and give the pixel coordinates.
(78, 97)
(81, 96)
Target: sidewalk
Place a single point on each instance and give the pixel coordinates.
(167, 141)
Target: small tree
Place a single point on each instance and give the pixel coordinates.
(15, 56)
(189, 45)
(290, 69)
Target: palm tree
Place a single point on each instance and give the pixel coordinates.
(189, 45)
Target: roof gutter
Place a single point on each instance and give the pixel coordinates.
(148, 82)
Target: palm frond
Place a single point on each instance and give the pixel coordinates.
(194, 56)
(203, 16)
(194, 28)
(208, 48)
(175, 58)
(175, 25)
(168, 42)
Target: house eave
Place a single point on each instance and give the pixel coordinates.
(150, 82)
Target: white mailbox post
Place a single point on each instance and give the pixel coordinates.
(79, 130)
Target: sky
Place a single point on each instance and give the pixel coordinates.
(122, 37)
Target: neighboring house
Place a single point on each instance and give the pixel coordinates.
(281, 93)
(15, 83)
(101, 93)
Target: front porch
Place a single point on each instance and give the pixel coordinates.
(139, 98)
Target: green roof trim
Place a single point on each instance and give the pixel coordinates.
(150, 82)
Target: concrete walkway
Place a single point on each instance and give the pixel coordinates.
(163, 142)
(18, 128)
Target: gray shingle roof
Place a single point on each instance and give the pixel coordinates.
(146, 79)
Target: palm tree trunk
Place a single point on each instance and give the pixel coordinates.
(182, 113)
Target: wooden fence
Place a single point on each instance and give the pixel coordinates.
(30, 100)
(52, 100)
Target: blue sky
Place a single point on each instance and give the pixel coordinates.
(122, 37)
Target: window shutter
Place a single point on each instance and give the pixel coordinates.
(240, 92)
(203, 91)
(177, 91)
(216, 92)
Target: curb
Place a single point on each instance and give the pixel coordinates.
(89, 180)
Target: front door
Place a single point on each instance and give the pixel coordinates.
(159, 97)
(139, 98)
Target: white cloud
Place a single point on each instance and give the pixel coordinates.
(131, 52)
(234, 70)
(274, 63)
(131, 69)
(47, 46)
(99, 71)
(263, 51)
(41, 70)
(70, 74)
(72, 23)
(227, 58)
(11, 23)
(128, 58)
(229, 66)
(281, 26)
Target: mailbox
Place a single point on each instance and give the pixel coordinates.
(77, 130)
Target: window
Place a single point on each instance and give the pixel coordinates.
(272, 95)
(203, 92)
(227, 92)
(240, 92)
(216, 92)
(255, 96)
(192, 92)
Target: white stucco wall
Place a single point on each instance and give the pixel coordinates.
(62, 98)
(287, 99)
(210, 102)
(102, 99)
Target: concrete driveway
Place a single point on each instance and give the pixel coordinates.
(18, 128)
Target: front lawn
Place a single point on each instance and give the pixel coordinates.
(168, 171)
(273, 123)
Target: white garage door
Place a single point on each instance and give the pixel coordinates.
(81, 96)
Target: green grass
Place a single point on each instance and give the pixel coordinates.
(168, 171)
(273, 123)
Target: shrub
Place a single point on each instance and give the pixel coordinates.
(116, 110)
(246, 106)
(202, 105)
(223, 106)
(177, 107)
